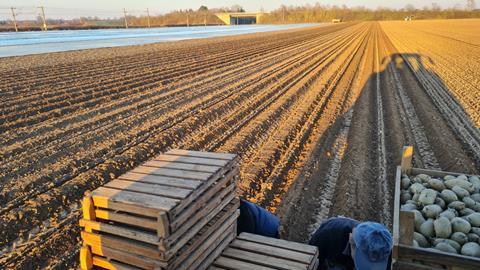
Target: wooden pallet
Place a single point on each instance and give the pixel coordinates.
(157, 208)
(405, 255)
(254, 252)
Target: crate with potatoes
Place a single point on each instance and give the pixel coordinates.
(436, 218)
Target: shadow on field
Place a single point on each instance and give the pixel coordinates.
(357, 192)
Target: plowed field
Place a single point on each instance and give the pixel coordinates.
(318, 117)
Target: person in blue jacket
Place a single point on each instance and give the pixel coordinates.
(347, 244)
(257, 220)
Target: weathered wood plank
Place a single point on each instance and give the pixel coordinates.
(127, 219)
(121, 256)
(187, 207)
(192, 160)
(434, 173)
(279, 243)
(106, 264)
(152, 189)
(272, 251)
(181, 166)
(400, 265)
(407, 220)
(173, 173)
(120, 231)
(137, 248)
(189, 153)
(438, 257)
(264, 260)
(396, 213)
(160, 180)
(232, 264)
(86, 262)
(407, 155)
(103, 196)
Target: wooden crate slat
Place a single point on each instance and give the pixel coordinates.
(222, 176)
(138, 248)
(272, 251)
(232, 264)
(134, 234)
(441, 174)
(193, 230)
(208, 246)
(127, 219)
(199, 197)
(182, 166)
(160, 180)
(279, 243)
(106, 264)
(438, 257)
(103, 196)
(189, 153)
(172, 173)
(192, 160)
(152, 189)
(264, 260)
(138, 260)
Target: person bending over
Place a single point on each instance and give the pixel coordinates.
(256, 220)
(346, 244)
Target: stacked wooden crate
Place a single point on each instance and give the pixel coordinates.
(177, 211)
(254, 252)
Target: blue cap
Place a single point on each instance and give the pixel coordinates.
(373, 245)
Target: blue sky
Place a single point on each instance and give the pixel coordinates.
(112, 8)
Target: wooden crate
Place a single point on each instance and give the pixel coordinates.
(157, 208)
(220, 231)
(254, 252)
(405, 256)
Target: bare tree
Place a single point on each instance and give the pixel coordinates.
(470, 5)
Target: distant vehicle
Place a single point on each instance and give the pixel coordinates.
(336, 20)
(408, 18)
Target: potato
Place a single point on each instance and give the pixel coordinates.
(459, 237)
(445, 248)
(408, 207)
(460, 183)
(475, 180)
(476, 230)
(462, 177)
(448, 196)
(432, 211)
(476, 197)
(469, 202)
(466, 212)
(421, 240)
(416, 188)
(461, 225)
(448, 177)
(452, 243)
(423, 177)
(405, 183)
(476, 207)
(427, 196)
(442, 227)
(449, 213)
(461, 192)
(436, 184)
(426, 229)
(419, 219)
(405, 196)
(457, 205)
(440, 202)
(415, 243)
(474, 219)
(473, 237)
(471, 249)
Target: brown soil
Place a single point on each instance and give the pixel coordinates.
(318, 117)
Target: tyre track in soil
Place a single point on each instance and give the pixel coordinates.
(25, 196)
(73, 207)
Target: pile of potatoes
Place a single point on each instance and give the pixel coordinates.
(447, 212)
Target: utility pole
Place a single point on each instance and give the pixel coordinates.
(188, 18)
(43, 18)
(14, 18)
(125, 16)
(283, 14)
(205, 19)
(148, 18)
